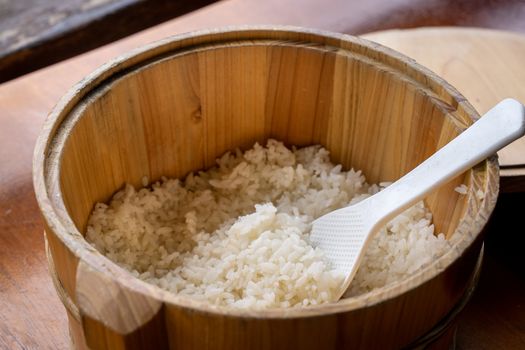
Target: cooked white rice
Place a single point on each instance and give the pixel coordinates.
(237, 234)
(461, 189)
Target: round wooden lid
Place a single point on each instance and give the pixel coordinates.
(486, 66)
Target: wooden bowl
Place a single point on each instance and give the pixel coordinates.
(174, 106)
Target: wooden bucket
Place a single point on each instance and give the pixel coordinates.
(175, 105)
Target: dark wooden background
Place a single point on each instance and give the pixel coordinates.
(37, 33)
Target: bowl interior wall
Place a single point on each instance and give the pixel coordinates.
(178, 115)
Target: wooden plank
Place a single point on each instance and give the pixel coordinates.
(37, 33)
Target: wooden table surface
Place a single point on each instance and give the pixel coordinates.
(31, 315)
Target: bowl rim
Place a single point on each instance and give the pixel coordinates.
(52, 206)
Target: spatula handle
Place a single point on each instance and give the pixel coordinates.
(500, 126)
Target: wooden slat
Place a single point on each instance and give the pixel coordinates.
(36, 33)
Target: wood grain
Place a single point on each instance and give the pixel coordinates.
(485, 66)
(203, 94)
(30, 307)
(36, 33)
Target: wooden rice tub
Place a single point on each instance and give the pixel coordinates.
(175, 105)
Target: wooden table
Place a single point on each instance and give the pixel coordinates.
(31, 315)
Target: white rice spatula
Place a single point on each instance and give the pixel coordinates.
(345, 233)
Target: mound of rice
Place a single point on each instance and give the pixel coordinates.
(237, 234)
